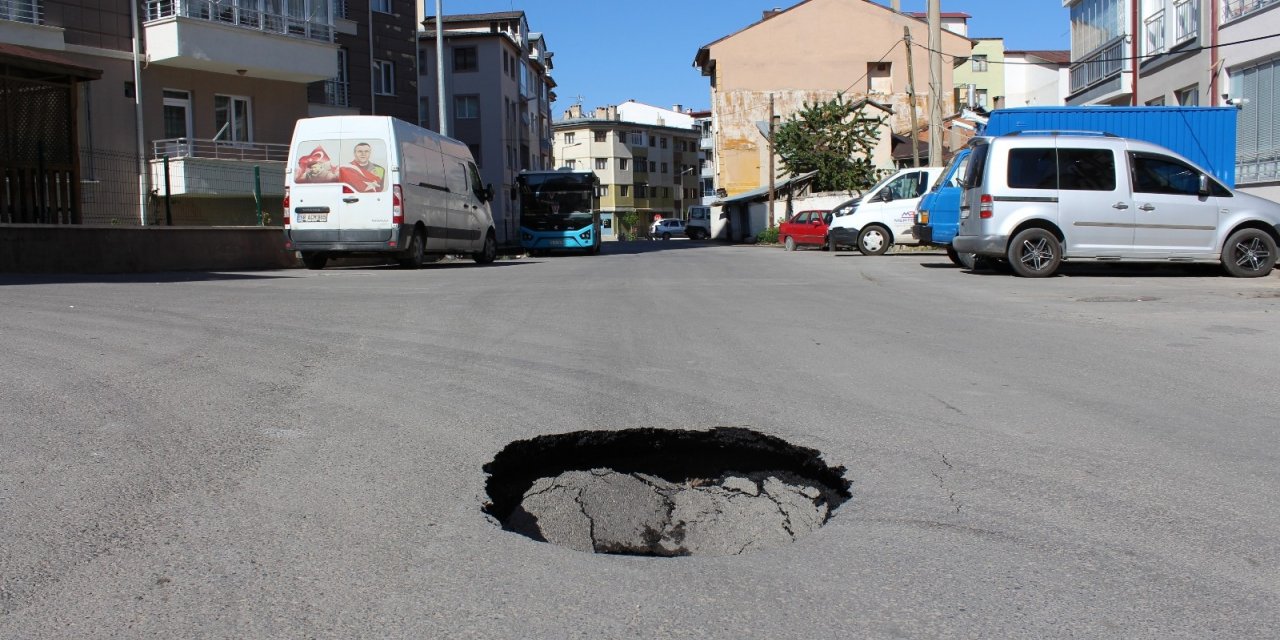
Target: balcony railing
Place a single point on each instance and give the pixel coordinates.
(219, 149)
(1232, 9)
(1101, 65)
(305, 19)
(1186, 20)
(29, 11)
(337, 93)
(1153, 35)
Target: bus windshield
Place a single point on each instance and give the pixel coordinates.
(555, 200)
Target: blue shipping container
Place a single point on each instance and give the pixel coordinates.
(1205, 135)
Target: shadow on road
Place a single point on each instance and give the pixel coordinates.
(17, 279)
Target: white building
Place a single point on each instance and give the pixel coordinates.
(1036, 78)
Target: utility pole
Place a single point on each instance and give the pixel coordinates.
(1133, 47)
(444, 113)
(771, 196)
(935, 83)
(911, 95)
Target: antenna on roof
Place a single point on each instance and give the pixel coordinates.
(578, 99)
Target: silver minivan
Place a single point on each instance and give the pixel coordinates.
(1035, 200)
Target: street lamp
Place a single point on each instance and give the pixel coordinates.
(680, 212)
(576, 144)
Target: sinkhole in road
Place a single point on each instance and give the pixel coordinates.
(663, 492)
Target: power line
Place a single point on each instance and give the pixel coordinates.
(1121, 59)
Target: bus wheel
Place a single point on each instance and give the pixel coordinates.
(489, 253)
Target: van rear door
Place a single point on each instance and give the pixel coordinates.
(340, 189)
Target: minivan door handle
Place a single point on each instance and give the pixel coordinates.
(1147, 207)
(350, 200)
(1119, 205)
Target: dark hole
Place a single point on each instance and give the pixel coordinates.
(662, 492)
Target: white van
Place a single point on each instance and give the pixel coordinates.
(378, 185)
(883, 216)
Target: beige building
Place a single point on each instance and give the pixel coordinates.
(808, 53)
(648, 166)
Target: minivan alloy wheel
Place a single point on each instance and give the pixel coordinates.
(1035, 253)
(1249, 253)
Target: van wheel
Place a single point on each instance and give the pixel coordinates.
(666, 236)
(874, 240)
(489, 253)
(789, 243)
(314, 260)
(1035, 253)
(1249, 253)
(416, 254)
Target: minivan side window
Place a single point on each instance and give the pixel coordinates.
(908, 185)
(1087, 169)
(1154, 173)
(977, 166)
(1033, 168)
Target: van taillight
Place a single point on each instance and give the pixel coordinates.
(397, 204)
(985, 205)
(286, 206)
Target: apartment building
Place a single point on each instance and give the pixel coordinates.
(1176, 62)
(214, 88)
(707, 161)
(1036, 77)
(498, 95)
(748, 69)
(647, 159)
(377, 61)
(979, 80)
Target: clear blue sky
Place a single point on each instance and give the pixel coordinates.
(610, 51)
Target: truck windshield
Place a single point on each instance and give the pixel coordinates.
(954, 171)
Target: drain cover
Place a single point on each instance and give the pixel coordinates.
(663, 492)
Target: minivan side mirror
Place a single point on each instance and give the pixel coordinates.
(487, 194)
(1204, 186)
(885, 196)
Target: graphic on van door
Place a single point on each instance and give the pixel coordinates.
(364, 170)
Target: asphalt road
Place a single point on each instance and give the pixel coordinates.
(298, 454)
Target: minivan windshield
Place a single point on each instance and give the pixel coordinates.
(955, 170)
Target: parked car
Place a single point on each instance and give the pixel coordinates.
(1036, 200)
(805, 228)
(885, 214)
(699, 225)
(666, 228)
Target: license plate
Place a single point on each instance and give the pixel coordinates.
(313, 217)
(556, 242)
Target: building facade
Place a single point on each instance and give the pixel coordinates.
(1188, 52)
(214, 89)
(376, 61)
(980, 80)
(498, 95)
(1036, 78)
(748, 70)
(649, 166)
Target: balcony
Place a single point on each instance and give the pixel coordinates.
(1235, 9)
(22, 23)
(218, 168)
(1103, 64)
(245, 37)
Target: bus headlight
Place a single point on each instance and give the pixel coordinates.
(585, 235)
(526, 236)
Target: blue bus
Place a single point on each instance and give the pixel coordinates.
(559, 210)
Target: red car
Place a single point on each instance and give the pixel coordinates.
(805, 228)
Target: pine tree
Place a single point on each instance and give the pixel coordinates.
(833, 138)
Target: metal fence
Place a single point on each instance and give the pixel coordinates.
(29, 11)
(1232, 9)
(297, 18)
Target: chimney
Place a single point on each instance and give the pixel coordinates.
(897, 6)
(613, 112)
(769, 13)
(575, 111)
(677, 108)
(602, 113)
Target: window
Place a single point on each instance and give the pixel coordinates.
(571, 163)
(602, 191)
(464, 59)
(637, 138)
(642, 190)
(337, 90)
(908, 185)
(1257, 145)
(624, 190)
(568, 138)
(1188, 97)
(1162, 174)
(600, 136)
(231, 116)
(424, 60)
(602, 163)
(652, 166)
(981, 98)
(1186, 17)
(177, 114)
(977, 166)
(466, 107)
(424, 114)
(1086, 170)
(381, 6)
(1156, 102)
(662, 142)
(506, 63)
(663, 168)
(652, 141)
(1154, 27)
(624, 164)
(384, 78)
(978, 63)
(1033, 168)
(879, 77)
